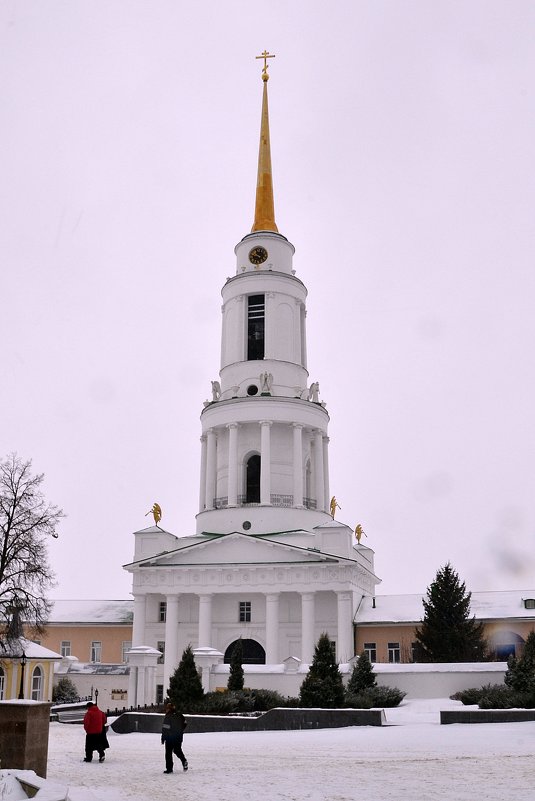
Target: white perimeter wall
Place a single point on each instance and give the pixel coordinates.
(417, 681)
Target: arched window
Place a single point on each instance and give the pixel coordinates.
(37, 684)
(506, 644)
(252, 479)
(2, 683)
(253, 653)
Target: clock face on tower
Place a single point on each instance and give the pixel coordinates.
(258, 255)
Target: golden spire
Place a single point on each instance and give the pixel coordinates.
(264, 217)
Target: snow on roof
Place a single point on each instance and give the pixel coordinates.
(98, 669)
(31, 650)
(101, 612)
(409, 608)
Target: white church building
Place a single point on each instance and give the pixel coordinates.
(268, 562)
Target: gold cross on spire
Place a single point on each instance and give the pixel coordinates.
(265, 55)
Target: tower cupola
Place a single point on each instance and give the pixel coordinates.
(264, 463)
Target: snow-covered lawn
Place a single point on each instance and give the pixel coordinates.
(413, 757)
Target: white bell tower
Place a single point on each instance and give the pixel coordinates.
(264, 462)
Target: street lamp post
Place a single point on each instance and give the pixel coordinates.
(22, 666)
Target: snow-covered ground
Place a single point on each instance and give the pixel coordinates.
(413, 757)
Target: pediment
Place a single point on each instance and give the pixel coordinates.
(235, 549)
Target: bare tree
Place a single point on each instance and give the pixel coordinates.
(27, 520)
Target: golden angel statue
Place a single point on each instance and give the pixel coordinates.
(359, 531)
(334, 506)
(156, 512)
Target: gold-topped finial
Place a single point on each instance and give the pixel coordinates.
(264, 217)
(265, 55)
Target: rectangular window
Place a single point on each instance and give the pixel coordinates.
(371, 650)
(255, 327)
(162, 614)
(2, 684)
(159, 693)
(394, 652)
(160, 645)
(96, 651)
(245, 611)
(65, 648)
(127, 644)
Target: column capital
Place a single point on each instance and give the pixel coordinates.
(298, 425)
(232, 425)
(308, 596)
(266, 422)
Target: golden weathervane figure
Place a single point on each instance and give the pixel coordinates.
(334, 506)
(156, 512)
(265, 55)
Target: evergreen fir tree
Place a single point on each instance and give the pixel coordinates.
(65, 692)
(323, 685)
(520, 674)
(362, 675)
(185, 688)
(235, 677)
(447, 633)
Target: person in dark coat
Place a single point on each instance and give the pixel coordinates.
(173, 727)
(95, 732)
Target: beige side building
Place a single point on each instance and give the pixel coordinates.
(92, 631)
(385, 625)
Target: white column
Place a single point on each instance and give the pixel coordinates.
(298, 465)
(318, 470)
(297, 332)
(202, 493)
(327, 495)
(345, 626)
(151, 686)
(308, 619)
(232, 464)
(272, 628)
(205, 621)
(265, 462)
(304, 336)
(132, 686)
(138, 627)
(171, 640)
(210, 469)
(268, 329)
(241, 328)
(141, 686)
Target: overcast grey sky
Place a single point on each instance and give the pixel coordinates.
(403, 157)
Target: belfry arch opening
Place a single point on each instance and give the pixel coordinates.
(252, 479)
(253, 653)
(255, 327)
